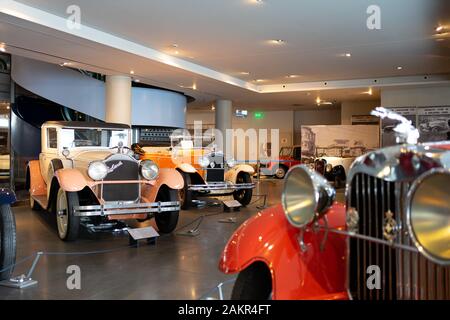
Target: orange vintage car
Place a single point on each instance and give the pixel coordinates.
(88, 176)
(205, 171)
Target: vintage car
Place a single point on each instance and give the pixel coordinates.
(289, 157)
(389, 240)
(87, 175)
(205, 171)
(7, 234)
(334, 169)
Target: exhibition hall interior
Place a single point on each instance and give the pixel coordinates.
(225, 150)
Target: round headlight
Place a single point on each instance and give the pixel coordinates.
(149, 170)
(203, 162)
(97, 170)
(231, 163)
(328, 168)
(306, 194)
(428, 215)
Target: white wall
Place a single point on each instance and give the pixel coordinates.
(356, 108)
(416, 97)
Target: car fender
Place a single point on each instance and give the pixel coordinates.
(35, 181)
(296, 274)
(186, 168)
(231, 174)
(167, 177)
(7, 196)
(71, 180)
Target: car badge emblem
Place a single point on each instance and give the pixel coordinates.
(390, 228)
(213, 164)
(352, 220)
(115, 166)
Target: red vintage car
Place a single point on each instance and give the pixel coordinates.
(288, 158)
(390, 240)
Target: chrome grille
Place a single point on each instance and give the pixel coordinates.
(404, 274)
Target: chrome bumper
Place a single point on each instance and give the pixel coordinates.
(125, 209)
(220, 186)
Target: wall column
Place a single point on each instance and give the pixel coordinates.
(118, 99)
(224, 113)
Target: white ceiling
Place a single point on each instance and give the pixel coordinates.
(231, 37)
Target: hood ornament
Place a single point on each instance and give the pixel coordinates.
(391, 227)
(405, 132)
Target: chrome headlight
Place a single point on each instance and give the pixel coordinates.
(328, 168)
(231, 163)
(307, 195)
(149, 170)
(203, 161)
(428, 215)
(97, 170)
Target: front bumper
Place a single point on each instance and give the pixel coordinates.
(220, 186)
(126, 208)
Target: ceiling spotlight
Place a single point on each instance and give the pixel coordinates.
(348, 55)
(213, 108)
(244, 73)
(439, 28)
(278, 41)
(132, 72)
(259, 80)
(292, 76)
(399, 68)
(318, 100)
(137, 80)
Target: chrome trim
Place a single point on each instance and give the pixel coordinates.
(213, 186)
(409, 198)
(385, 163)
(111, 209)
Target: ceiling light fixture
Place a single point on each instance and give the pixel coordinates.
(399, 68)
(318, 101)
(137, 80)
(244, 73)
(132, 72)
(260, 80)
(292, 76)
(277, 41)
(348, 55)
(439, 28)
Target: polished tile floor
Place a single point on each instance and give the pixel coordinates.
(177, 267)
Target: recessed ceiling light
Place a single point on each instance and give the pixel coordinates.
(132, 72)
(318, 100)
(260, 80)
(399, 68)
(292, 76)
(244, 73)
(439, 28)
(277, 41)
(348, 55)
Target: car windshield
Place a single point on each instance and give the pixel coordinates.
(285, 152)
(80, 137)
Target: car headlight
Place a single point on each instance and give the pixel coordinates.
(306, 196)
(328, 168)
(203, 162)
(149, 170)
(97, 170)
(231, 163)
(428, 215)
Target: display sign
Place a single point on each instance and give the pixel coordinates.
(259, 115)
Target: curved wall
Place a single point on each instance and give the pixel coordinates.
(150, 107)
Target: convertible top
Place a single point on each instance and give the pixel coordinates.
(87, 124)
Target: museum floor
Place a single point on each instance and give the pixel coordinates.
(177, 267)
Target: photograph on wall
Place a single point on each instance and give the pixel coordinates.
(344, 141)
(434, 123)
(388, 125)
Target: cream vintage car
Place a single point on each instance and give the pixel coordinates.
(88, 176)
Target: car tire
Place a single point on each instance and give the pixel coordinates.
(243, 196)
(280, 173)
(7, 241)
(253, 283)
(167, 221)
(68, 224)
(338, 182)
(185, 195)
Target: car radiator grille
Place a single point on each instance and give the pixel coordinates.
(125, 170)
(216, 170)
(405, 274)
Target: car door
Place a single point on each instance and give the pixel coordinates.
(49, 151)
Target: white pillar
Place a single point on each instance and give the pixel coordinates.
(118, 99)
(224, 113)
